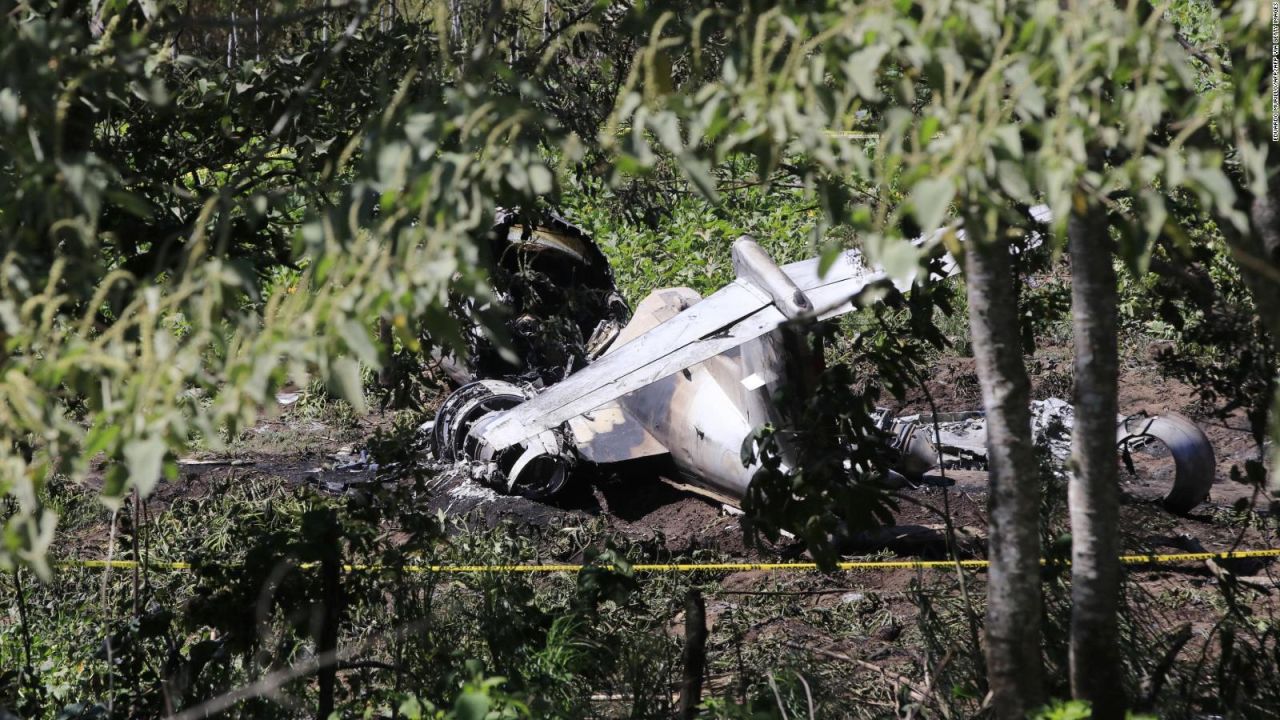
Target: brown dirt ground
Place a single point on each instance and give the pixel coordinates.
(636, 506)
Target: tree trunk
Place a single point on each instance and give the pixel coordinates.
(1014, 668)
(695, 654)
(1092, 491)
(386, 373)
(331, 613)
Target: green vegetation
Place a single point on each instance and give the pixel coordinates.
(603, 642)
(202, 201)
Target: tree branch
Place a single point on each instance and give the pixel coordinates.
(1201, 55)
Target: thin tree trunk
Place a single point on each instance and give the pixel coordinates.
(1264, 216)
(231, 41)
(1014, 668)
(1257, 252)
(386, 374)
(29, 671)
(1092, 491)
(695, 654)
(331, 612)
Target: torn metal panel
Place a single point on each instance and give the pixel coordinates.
(610, 434)
(555, 294)
(1193, 455)
(958, 441)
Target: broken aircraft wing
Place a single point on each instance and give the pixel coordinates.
(737, 313)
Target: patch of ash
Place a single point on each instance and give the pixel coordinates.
(464, 481)
(461, 487)
(468, 490)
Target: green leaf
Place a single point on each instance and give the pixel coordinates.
(1028, 98)
(10, 107)
(85, 182)
(356, 335)
(830, 253)
(131, 203)
(344, 379)
(929, 128)
(411, 708)
(667, 128)
(540, 179)
(861, 70)
(100, 437)
(471, 705)
(984, 21)
(114, 483)
(929, 201)
(1009, 139)
(901, 262)
(698, 172)
(145, 460)
(392, 159)
(1013, 181)
(1215, 186)
(1153, 211)
(518, 176)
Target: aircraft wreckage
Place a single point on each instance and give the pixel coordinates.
(690, 377)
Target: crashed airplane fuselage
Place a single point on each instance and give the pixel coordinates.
(694, 378)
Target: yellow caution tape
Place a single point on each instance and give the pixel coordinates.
(698, 567)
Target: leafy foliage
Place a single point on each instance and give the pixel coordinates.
(838, 489)
(186, 229)
(181, 238)
(1206, 332)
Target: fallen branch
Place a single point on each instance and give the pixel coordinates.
(918, 695)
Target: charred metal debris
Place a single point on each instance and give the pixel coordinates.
(691, 378)
(553, 294)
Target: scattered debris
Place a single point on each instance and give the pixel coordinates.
(469, 488)
(693, 378)
(229, 462)
(346, 471)
(958, 441)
